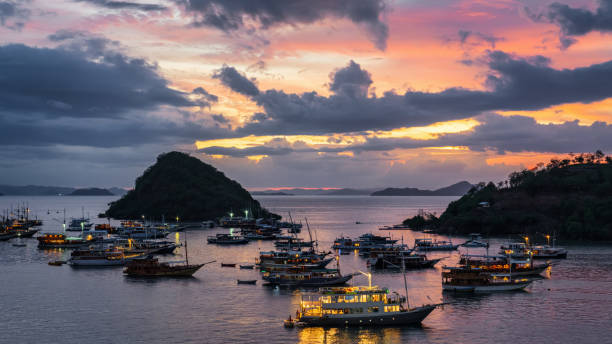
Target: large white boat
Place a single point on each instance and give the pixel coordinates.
(358, 306)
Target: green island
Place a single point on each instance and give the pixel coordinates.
(569, 197)
(179, 185)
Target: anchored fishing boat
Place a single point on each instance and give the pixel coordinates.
(227, 239)
(394, 260)
(427, 244)
(299, 277)
(503, 265)
(103, 257)
(475, 241)
(60, 240)
(475, 280)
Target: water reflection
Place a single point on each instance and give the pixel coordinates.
(315, 335)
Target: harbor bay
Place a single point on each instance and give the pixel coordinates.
(50, 304)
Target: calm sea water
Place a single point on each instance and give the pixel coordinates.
(47, 304)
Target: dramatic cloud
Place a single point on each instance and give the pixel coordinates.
(87, 93)
(12, 14)
(351, 81)
(119, 5)
(237, 82)
(577, 21)
(495, 132)
(233, 15)
(91, 82)
(512, 83)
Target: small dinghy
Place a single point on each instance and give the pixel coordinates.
(247, 281)
(57, 262)
(247, 266)
(228, 265)
(19, 244)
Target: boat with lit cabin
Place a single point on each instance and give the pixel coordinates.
(358, 306)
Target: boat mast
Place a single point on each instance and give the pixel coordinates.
(404, 274)
(186, 257)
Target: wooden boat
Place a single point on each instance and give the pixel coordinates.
(228, 265)
(503, 265)
(227, 239)
(247, 281)
(250, 266)
(19, 244)
(475, 241)
(103, 257)
(394, 260)
(4, 236)
(152, 267)
(60, 240)
(313, 278)
(357, 306)
(57, 262)
(466, 279)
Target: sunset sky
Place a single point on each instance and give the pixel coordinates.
(318, 93)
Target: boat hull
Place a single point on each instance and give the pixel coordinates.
(485, 288)
(412, 317)
(183, 271)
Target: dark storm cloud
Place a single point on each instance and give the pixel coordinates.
(236, 81)
(351, 81)
(91, 82)
(231, 15)
(513, 83)
(495, 132)
(119, 5)
(13, 15)
(577, 21)
(87, 93)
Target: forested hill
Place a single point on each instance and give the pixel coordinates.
(570, 197)
(181, 185)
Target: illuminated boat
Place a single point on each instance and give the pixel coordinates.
(503, 264)
(60, 240)
(362, 243)
(358, 306)
(474, 280)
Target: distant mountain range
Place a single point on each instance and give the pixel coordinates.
(91, 192)
(38, 190)
(458, 189)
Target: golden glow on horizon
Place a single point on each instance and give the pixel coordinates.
(256, 158)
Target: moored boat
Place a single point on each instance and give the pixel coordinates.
(152, 267)
(227, 239)
(357, 306)
(60, 240)
(474, 280)
(427, 244)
